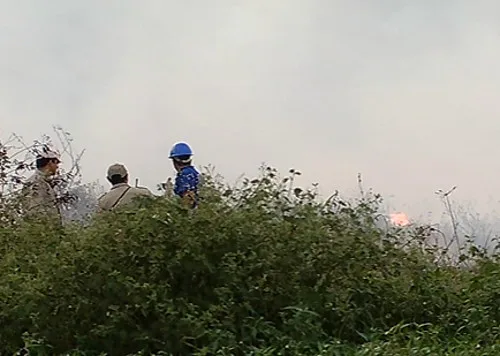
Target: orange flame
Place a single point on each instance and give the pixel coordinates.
(399, 219)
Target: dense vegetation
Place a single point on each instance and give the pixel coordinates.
(262, 269)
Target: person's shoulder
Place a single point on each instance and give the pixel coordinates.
(36, 183)
(193, 169)
(190, 171)
(34, 178)
(102, 196)
(31, 178)
(141, 191)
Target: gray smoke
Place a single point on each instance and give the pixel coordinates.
(83, 207)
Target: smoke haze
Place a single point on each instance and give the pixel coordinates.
(404, 92)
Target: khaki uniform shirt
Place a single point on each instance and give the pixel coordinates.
(40, 196)
(120, 195)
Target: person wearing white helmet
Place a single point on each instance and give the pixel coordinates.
(39, 191)
(121, 193)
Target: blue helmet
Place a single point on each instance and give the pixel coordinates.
(180, 149)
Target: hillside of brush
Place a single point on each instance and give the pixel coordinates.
(262, 269)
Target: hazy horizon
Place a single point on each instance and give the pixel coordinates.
(402, 92)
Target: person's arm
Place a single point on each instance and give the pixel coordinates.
(37, 196)
(100, 204)
(185, 188)
(189, 198)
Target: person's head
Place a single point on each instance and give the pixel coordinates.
(48, 162)
(117, 173)
(181, 155)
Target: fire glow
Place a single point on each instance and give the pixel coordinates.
(399, 219)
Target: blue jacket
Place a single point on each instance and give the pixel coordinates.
(187, 180)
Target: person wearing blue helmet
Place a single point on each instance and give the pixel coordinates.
(188, 178)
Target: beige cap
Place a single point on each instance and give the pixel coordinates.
(117, 169)
(49, 154)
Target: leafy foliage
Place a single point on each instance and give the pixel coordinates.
(263, 268)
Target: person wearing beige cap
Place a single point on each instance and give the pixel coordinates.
(38, 189)
(121, 193)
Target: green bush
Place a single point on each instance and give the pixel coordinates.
(262, 269)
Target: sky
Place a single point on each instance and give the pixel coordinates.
(403, 92)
